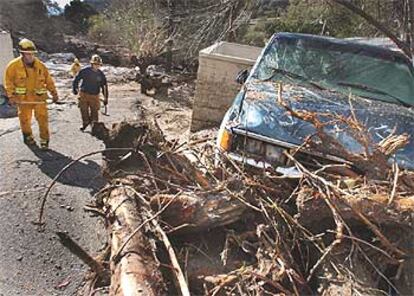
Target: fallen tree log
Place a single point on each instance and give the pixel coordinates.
(136, 272)
(192, 212)
(374, 207)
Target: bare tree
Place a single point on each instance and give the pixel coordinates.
(196, 24)
(162, 28)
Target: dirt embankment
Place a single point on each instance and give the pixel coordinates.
(53, 34)
(28, 18)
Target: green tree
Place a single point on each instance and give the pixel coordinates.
(306, 16)
(339, 18)
(78, 13)
(393, 19)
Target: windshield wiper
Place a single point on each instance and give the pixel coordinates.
(372, 90)
(284, 72)
(291, 76)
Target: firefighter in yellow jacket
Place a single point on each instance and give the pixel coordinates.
(27, 81)
(75, 67)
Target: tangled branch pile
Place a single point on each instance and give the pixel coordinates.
(179, 224)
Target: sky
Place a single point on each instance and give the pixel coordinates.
(62, 3)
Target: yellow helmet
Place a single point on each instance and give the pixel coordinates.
(95, 59)
(27, 46)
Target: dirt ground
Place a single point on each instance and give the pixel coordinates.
(33, 262)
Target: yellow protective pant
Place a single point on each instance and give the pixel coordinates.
(25, 116)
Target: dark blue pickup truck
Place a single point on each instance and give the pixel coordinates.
(322, 75)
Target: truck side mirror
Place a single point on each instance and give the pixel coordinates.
(242, 76)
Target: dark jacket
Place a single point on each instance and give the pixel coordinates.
(92, 81)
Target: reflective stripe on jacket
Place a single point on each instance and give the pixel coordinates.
(20, 91)
(23, 83)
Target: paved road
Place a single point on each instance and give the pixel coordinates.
(34, 263)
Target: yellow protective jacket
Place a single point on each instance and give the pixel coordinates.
(28, 84)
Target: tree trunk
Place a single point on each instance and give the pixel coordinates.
(136, 272)
(371, 20)
(411, 25)
(197, 212)
(375, 208)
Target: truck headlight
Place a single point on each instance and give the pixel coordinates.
(224, 139)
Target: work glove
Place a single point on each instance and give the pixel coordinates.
(55, 99)
(11, 102)
(105, 102)
(75, 92)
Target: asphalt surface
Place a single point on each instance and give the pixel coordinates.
(32, 262)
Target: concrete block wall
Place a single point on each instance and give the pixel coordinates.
(6, 52)
(216, 86)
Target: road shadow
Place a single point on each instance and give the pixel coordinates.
(85, 173)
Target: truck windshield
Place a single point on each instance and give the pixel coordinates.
(351, 68)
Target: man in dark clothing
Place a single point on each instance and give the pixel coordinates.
(93, 80)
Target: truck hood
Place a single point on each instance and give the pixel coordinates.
(261, 114)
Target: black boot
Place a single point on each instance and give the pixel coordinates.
(28, 140)
(83, 127)
(44, 144)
